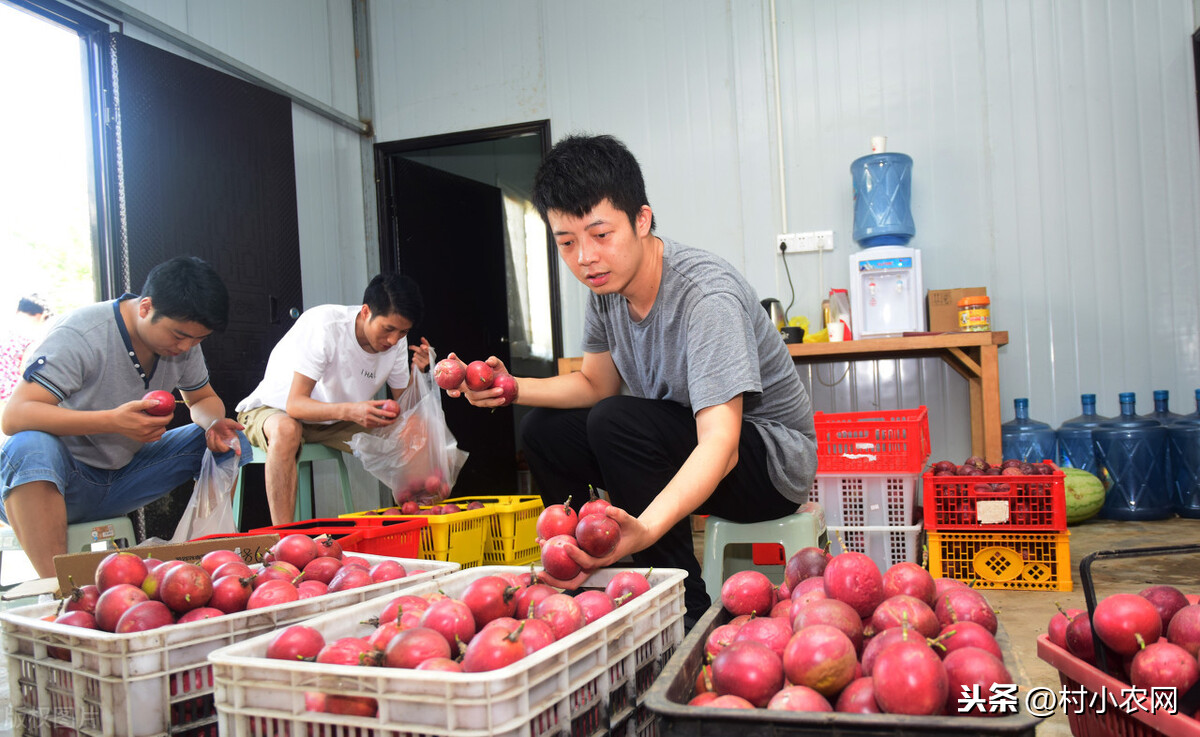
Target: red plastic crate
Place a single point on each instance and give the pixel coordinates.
(894, 440)
(395, 538)
(1075, 675)
(1036, 502)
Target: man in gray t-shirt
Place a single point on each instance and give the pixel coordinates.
(84, 445)
(716, 419)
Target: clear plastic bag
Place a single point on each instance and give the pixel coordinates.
(416, 456)
(210, 510)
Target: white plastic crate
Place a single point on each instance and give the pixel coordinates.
(150, 683)
(867, 499)
(886, 546)
(580, 684)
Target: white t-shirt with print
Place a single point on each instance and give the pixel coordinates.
(322, 346)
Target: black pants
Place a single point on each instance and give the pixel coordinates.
(632, 448)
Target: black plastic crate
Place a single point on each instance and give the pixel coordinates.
(669, 695)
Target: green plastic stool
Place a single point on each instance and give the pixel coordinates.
(309, 452)
(117, 530)
(803, 529)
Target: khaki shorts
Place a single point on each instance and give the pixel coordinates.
(336, 435)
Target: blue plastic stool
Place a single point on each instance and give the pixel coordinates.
(309, 452)
(805, 528)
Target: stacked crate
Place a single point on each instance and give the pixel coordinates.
(999, 537)
(868, 480)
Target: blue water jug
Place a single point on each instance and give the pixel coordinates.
(1167, 418)
(1183, 449)
(1131, 452)
(1161, 412)
(1075, 448)
(882, 195)
(1194, 415)
(1026, 439)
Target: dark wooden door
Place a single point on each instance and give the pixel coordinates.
(448, 234)
(207, 169)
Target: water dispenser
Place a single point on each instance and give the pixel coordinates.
(886, 294)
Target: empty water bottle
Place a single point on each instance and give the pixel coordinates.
(1167, 418)
(1025, 439)
(1195, 415)
(1131, 452)
(1161, 412)
(1183, 449)
(1075, 448)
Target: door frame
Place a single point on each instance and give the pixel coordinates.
(387, 231)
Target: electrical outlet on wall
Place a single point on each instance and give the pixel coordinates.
(817, 240)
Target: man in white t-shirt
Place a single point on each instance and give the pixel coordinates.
(322, 376)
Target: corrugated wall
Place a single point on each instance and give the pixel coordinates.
(1055, 149)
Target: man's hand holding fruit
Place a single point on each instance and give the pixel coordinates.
(372, 413)
(576, 545)
(137, 419)
(484, 383)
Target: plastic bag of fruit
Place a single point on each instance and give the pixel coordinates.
(210, 510)
(417, 455)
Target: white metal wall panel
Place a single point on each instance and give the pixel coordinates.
(1093, 138)
(307, 44)
(1055, 146)
(660, 76)
(451, 66)
(333, 248)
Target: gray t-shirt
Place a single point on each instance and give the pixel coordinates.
(88, 362)
(706, 340)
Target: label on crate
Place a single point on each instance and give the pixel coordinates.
(991, 511)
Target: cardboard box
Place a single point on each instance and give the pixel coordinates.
(942, 307)
(81, 567)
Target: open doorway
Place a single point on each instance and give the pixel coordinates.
(47, 242)
(456, 214)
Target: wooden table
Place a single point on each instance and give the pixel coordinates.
(972, 355)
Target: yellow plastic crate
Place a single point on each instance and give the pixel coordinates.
(512, 538)
(460, 537)
(1033, 561)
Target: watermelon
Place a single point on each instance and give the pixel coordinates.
(1084, 494)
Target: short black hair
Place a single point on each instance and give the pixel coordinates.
(188, 289)
(33, 304)
(393, 294)
(581, 171)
